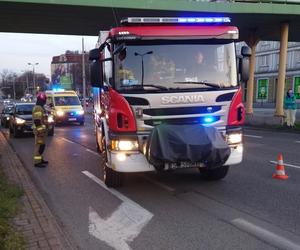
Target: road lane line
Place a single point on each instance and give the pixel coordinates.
(124, 224)
(297, 141)
(254, 136)
(159, 184)
(92, 152)
(265, 235)
(286, 164)
(67, 140)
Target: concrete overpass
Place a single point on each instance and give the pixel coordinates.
(267, 20)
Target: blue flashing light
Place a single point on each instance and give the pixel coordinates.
(58, 89)
(208, 119)
(204, 20)
(79, 112)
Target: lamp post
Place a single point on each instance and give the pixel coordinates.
(33, 67)
(83, 77)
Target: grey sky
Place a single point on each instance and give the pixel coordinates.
(17, 49)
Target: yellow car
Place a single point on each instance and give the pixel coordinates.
(65, 106)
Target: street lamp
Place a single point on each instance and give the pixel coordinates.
(33, 66)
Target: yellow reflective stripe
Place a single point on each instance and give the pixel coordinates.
(37, 158)
(37, 115)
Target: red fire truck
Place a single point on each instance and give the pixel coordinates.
(167, 95)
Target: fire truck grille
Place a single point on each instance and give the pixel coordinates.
(179, 121)
(180, 111)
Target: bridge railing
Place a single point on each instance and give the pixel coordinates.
(251, 1)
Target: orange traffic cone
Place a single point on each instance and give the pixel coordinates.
(280, 173)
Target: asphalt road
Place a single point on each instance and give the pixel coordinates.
(179, 210)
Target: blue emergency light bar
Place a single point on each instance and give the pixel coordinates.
(190, 20)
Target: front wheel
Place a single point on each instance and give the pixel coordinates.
(111, 178)
(214, 174)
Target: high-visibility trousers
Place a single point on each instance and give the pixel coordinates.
(39, 145)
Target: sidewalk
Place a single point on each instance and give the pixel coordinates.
(265, 116)
(35, 220)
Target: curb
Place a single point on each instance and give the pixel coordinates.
(279, 130)
(34, 220)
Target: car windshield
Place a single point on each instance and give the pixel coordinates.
(24, 109)
(176, 65)
(66, 100)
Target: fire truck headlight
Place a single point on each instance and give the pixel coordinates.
(121, 157)
(124, 145)
(60, 113)
(234, 138)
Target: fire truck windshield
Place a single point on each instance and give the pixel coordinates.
(175, 65)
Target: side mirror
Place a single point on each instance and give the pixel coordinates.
(244, 68)
(94, 54)
(246, 51)
(96, 74)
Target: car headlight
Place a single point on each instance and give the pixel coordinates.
(124, 145)
(7, 118)
(234, 138)
(79, 112)
(50, 119)
(60, 113)
(20, 121)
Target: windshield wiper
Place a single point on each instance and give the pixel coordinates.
(210, 84)
(142, 86)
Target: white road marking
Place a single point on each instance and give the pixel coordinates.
(265, 235)
(286, 164)
(124, 224)
(159, 184)
(297, 141)
(65, 139)
(254, 136)
(92, 152)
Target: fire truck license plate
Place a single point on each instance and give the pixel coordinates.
(185, 165)
(72, 119)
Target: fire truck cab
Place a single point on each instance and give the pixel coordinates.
(167, 95)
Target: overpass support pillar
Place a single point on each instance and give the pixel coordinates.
(252, 42)
(284, 31)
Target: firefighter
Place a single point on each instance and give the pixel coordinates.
(40, 130)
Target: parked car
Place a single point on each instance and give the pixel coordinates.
(21, 120)
(5, 116)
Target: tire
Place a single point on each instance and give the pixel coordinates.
(111, 178)
(51, 132)
(16, 133)
(214, 174)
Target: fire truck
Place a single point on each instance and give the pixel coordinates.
(167, 95)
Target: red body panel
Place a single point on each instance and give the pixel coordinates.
(236, 107)
(173, 31)
(120, 109)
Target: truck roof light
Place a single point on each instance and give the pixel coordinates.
(155, 20)
(123, 33)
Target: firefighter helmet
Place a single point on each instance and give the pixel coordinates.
(41, 98)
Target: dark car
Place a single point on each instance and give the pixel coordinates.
(21, 120)
(5, 116)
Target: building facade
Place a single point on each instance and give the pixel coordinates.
(266, 71)
(66, 71)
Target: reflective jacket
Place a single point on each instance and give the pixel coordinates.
(38, 117)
